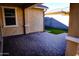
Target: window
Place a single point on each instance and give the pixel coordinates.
(9, 17)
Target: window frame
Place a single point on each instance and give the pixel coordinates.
(4, 23)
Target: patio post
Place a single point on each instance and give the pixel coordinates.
(72, 48)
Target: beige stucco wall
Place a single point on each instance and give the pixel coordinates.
(74, 20)
(0, 22)
(34, 20)
(0, 16)
(1, 39)
(72, 48)
(8, 31)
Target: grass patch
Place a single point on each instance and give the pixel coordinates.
(55, 30)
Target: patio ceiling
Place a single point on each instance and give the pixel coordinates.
(23, 5)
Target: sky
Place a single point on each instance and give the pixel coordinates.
(56, 6)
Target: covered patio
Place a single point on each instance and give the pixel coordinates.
(46, 44)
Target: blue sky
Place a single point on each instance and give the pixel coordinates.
(53, 6)
(58, 6)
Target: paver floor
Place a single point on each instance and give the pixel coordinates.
(35, 44)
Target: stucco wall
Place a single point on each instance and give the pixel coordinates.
(71, 48)
(8, 31)
(0, 16)
(74, 20)
(33, 21)
(34, 17)
(27, 20)
(0, 33)
(0, 21)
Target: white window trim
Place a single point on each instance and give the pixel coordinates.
(4, 24)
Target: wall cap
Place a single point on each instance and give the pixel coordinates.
(74, 39)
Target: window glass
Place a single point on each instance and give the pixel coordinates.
(9, 16)
(10, 21)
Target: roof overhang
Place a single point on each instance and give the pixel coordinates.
(25, 5)
(40, 6)
(22, 5)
